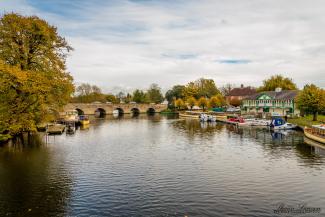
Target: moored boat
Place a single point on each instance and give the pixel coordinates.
(316, 133)
(84, 119)
(71, 116)
(280, 124)
(55, 128)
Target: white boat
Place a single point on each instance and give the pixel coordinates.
(207, 118)
(280, 124)
(71, 116)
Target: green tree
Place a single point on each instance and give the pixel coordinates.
(139, 96)
(179, 103)
(202, 103)
(111, 98)
(154, 94)
(175, 93)
(277, 81)
(191, 102)
(311, 99)
(33, 72)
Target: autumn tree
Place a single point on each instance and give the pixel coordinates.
(179, 103)
(225, 89)
(235, 102)
(191, 102)
(202, 103)
(201, 88)
(277, 81)
(311, 99)
(217, 101)
(33, 71)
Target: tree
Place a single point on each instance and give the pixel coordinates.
(179, 103)
(86, 93)
(175, 93)
(191, 102)
(225, 89)
(201, 88)
(277, 81)
(154, 94)
(33, 74)
(217, 101)
(111, 98)
(139, 96)
(311, 99)
(235, 102)
(203, 103)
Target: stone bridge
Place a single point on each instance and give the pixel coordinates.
(104, 108)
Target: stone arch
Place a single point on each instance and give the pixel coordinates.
(100, 113)
(151, 110)
(118, 111)
(80, 111)
(135, 111)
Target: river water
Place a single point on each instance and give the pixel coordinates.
(162, 166)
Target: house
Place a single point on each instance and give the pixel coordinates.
(236, 95)
(278, 102)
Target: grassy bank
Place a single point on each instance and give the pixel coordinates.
(307, 120)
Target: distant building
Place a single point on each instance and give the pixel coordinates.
(278, 102)
(236, 95)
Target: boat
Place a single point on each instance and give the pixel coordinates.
(316, 133)
(207, 118)
(84, 119)
(280, 124)
(257, 122)
(71, 116)
(55, 128)
(70, 129)
(238, 121)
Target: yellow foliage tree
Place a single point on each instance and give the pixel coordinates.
(203, 103)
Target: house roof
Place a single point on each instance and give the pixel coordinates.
(242, 91)
(282, 95)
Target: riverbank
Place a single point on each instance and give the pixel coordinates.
(307, 120)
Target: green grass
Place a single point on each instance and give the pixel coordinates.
(307, 120)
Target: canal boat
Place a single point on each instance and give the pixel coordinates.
(280, 124)
(55, 128)
(316, 133)
(84, 119)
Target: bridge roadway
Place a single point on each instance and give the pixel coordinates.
(105, 108)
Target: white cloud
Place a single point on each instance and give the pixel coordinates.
(130, 44)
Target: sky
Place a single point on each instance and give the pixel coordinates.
(128, 44)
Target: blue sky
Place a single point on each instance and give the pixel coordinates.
(130, 44)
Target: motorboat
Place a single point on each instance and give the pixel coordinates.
(71, 116)
(280, 124)
(84, 119)
(207, 118)
(258, 122)
(54, 128)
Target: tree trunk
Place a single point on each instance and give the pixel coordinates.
(315, 116)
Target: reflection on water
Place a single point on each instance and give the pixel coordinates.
(161, 166)
(33, 182)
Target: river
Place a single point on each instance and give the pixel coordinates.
(162, 166)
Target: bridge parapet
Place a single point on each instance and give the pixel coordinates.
(91, 108)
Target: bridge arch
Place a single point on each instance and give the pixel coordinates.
(100, 113)
(80, 111)
(119, 111)
(135, 111)
(151, 110)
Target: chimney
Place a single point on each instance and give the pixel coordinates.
(278, 89)
(241, 86)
